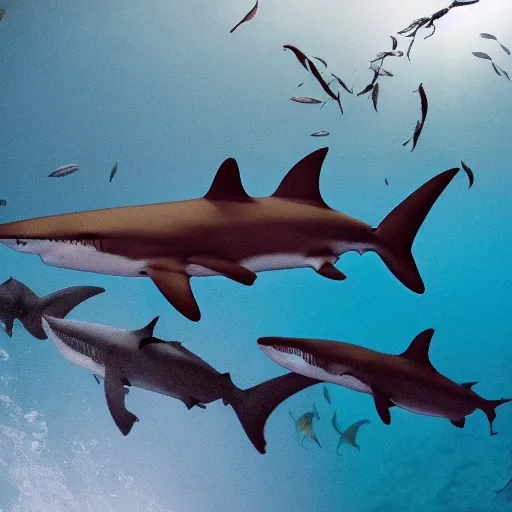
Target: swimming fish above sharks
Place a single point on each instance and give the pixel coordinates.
(408, 380)
(19, 302)
(135, 358)
(227, 233)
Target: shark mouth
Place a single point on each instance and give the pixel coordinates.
(306, 356)
(76, 350)
(293, 358)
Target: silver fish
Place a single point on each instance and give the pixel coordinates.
(64, 170)
(321, 133)
(113, 172)
(305, 99)
(481, 55)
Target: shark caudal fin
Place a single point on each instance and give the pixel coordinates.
(397, 231)
(253, 406)
(490, 410)
(58, 305)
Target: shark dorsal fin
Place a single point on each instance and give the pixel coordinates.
(227, 185)
(302, 183)
(418, 349)
(147, 331)
(468, 385)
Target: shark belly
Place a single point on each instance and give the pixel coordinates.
(84, 255)
(266, 262)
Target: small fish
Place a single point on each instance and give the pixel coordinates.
(64, 170)
(484, 35)
(249, 16)
(495, 69)
(96, 378)
(481, 55)
(321, 133)
(375, 96)
(3, 202)
(301, 84)
(503, 71)
(368, 88)
(348, 436)
(342, 83)
(394, 42)
(321, 60)
(304, 425)
(419, 124)
(469, 172)
(386, 181)
(383, 55)
(326, 395)
(305, 99)
(3, 12)
(113, 172)
(309, 65)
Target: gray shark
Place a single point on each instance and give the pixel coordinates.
(227, 233)
(135, 358)
(408, 380)
(19, 302)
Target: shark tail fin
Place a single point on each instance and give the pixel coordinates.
(489, 409)
(58, 305)
(253, 406)
(397, 231)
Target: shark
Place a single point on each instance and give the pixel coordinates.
(123, 357)
(227, 233)
(19, 302)
(408, 380)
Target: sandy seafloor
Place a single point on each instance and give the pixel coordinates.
(163, 88)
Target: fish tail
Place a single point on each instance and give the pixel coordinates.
(489, 409)
(397, 231)
(253, 406)
(58, 305)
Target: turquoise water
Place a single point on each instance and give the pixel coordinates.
(163, 88)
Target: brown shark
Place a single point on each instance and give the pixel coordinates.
(228, 233)
(408, 380)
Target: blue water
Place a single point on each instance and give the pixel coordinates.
(163, 88)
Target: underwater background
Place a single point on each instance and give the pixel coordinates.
(165, 90)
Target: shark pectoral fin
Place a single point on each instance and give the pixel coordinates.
(115, 394)
(225, 267)
(459, 423)
(382, 404)
(329, 271)
(175, 287)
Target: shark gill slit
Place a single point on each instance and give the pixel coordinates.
(308, 358)
(83, 348)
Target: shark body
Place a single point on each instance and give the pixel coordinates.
(408, 380)
(227, 233)
(135, 358)
(19, 302)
